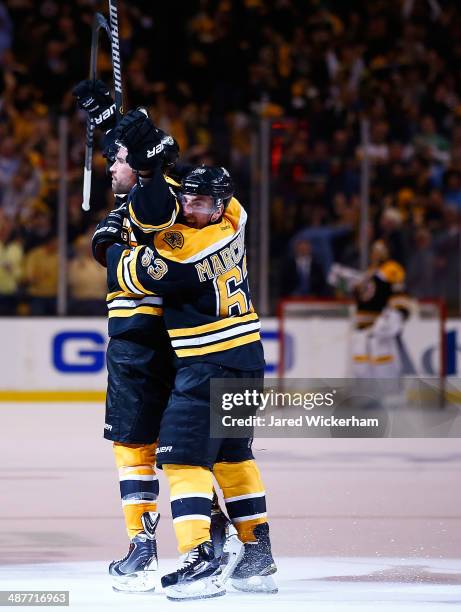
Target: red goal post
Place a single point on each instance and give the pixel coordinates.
(324, 325)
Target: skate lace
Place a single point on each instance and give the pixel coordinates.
(189, 559)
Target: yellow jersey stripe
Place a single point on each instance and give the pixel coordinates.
(129, 273)
(220, 346)
(124, 294)
(153, 228)
(120, 280)
(216, 325)
(132, 272)
(131, 312)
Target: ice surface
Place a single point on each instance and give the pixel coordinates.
(315, 584)
(356, 525)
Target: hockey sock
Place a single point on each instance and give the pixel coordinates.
(244, 495)
(191, 492)
(138, 482)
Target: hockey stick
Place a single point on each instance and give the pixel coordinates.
(116, 59)
(99, 22)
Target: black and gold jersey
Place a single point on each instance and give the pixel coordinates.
(129, 312)
(153, 206)
(383, 287)
(202, 277)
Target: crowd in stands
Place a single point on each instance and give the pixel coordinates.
(208, 70)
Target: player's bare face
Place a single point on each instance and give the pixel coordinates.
(198, 210)
(123, 177)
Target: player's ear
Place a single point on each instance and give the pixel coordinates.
(217, 214)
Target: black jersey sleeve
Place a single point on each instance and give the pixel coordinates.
(179, 171)
(142, 271)
(152, 206)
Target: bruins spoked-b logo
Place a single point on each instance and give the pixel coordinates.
(174, 239)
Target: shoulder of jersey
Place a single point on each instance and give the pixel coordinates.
(185, 244)
(392, 272)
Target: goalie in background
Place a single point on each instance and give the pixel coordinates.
(382, 307)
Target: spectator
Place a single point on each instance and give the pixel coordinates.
(302, 275)
(41, 278)
(11, 260)
(322, 67)
(421, 267)
(87, 281)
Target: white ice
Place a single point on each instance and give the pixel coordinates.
(316, 584)
(356, 525)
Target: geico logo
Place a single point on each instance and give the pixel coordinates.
(155, 151)
(79, 351)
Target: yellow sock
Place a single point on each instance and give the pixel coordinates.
(191, 491)
(138, 482)
(244, 494)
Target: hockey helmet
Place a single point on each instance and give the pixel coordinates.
(214, 181)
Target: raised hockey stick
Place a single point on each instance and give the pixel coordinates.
(116, 59)
(99, 22)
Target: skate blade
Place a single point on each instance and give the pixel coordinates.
(199, 589)
(255, 584)
(141, 582)
(233, 551)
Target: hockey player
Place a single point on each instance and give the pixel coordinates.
(198, 266)
(139, 355)
(139, 362)
(382, 308)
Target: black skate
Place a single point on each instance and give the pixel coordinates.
(197, 578)
(135, 573)
(227, 546)
(254, 572)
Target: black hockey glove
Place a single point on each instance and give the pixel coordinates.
(142, 139)
(95, 98)
(109, 231)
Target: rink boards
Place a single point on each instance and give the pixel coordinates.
(63, 359)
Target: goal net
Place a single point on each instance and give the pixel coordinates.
(316, 339)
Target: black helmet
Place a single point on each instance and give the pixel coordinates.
(214, 181)
(110, 147)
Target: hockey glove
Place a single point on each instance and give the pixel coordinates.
(95, 98)
(109, 231)
(142, 139)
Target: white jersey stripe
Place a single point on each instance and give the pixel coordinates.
(192, 517)
(240, 519)
(249, 496)
(146, 477)
(228, 333)
(126, 273)
(130, 303)
(133, 502)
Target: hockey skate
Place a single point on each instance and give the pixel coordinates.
(136, 572)
(254, 572)
(199, 576)
(227, 546)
